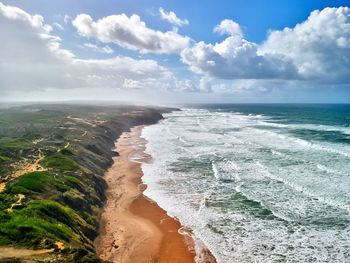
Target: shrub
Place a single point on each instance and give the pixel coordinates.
(15, 144)
(29, 183)
(38, 221)
(60, 162)
(31, 230)
(4, 159)
(6, 200)
(72, 181)
(66, 151)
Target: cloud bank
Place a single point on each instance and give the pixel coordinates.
(314, 53)
(31, 58)
(317, 49)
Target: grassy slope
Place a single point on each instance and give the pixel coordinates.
(61, 203)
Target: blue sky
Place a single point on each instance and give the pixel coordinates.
(256, 16)
(249, 57)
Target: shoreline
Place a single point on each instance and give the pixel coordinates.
(133, 228)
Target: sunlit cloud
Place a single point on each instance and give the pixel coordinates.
(130, 32)
(172, 18)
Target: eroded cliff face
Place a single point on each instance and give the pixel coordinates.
(53, 158)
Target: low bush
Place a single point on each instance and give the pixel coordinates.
(60, 162)
(15, 144)
(29, 183)
(38, 221)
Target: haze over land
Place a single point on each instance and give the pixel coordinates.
(163, 52)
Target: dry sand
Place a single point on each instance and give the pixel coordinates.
(15, 253)
(134, 228)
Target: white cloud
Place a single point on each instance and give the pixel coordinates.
(130, 32)
(112, 73)
(317, 49)
(132, 84)
(123, 67)
(105, 49)
(59, 26)
(172, 18)
(66, 19)
(229, 27)
(203, 85)
(234, 58)
(24, 36)
(248, 86)
(32, 59)
(15, 13)
(185, 85)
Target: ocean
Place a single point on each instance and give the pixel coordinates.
(255, 182)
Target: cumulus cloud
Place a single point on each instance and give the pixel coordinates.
(33, 59)
(130, 32)
(172, 18)
(235, 58)
(317, 49)
(229, 27)
(105, 49)
(15, 13)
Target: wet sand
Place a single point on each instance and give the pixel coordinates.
(133, 227)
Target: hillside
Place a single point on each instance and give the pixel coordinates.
(52, 162)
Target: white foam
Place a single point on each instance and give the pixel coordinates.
(225, 170)
(297, 180)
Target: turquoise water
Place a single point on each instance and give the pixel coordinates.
(257, 183)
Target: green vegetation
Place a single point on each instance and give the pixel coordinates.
(66, 151)
(60, 162)
(72, 181)
(21, 230)
(29, 183)
(15, 144)
(6, 200)
(4, 159)
(63, 202)
(38, 221)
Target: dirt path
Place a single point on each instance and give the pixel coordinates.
(33, 167)
(26, 167)
(12, 253)
(23, 168)
(18, 202)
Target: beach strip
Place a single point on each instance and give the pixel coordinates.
(133, 227)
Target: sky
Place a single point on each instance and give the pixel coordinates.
(168, 52)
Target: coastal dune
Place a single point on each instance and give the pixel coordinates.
(133, 227)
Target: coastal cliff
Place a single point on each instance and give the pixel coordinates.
(52, 162)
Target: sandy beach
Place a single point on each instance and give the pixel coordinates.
(133, 227)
